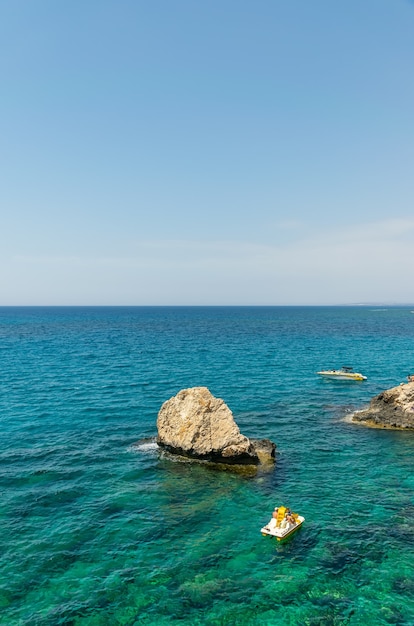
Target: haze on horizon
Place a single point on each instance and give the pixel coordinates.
(220, 153)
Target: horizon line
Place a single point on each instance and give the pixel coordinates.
(352, 304)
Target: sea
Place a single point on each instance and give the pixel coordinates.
(98, 528)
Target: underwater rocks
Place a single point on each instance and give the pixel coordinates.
(195, 424)
(393, 408)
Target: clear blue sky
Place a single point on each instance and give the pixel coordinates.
(217, 152)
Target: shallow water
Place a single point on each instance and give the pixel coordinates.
(97, 530)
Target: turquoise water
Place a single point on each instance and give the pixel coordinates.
(97, 529)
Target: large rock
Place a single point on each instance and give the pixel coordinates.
(393, 408)
(196, 424)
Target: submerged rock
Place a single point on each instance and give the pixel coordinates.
(196, 424)
(393, 408)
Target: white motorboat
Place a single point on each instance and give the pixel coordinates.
(282, 524)
(345, 373)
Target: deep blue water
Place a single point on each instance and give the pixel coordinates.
(98, 531)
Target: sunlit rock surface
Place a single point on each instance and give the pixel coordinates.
(196, 424)
(393, 408)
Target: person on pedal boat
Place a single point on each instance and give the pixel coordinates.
(289, 521)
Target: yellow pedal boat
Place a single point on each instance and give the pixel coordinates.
(283, 523)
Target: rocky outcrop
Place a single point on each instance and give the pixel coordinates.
(393, 408)
(196, 424)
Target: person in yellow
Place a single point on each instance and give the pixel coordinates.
(289, 521)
